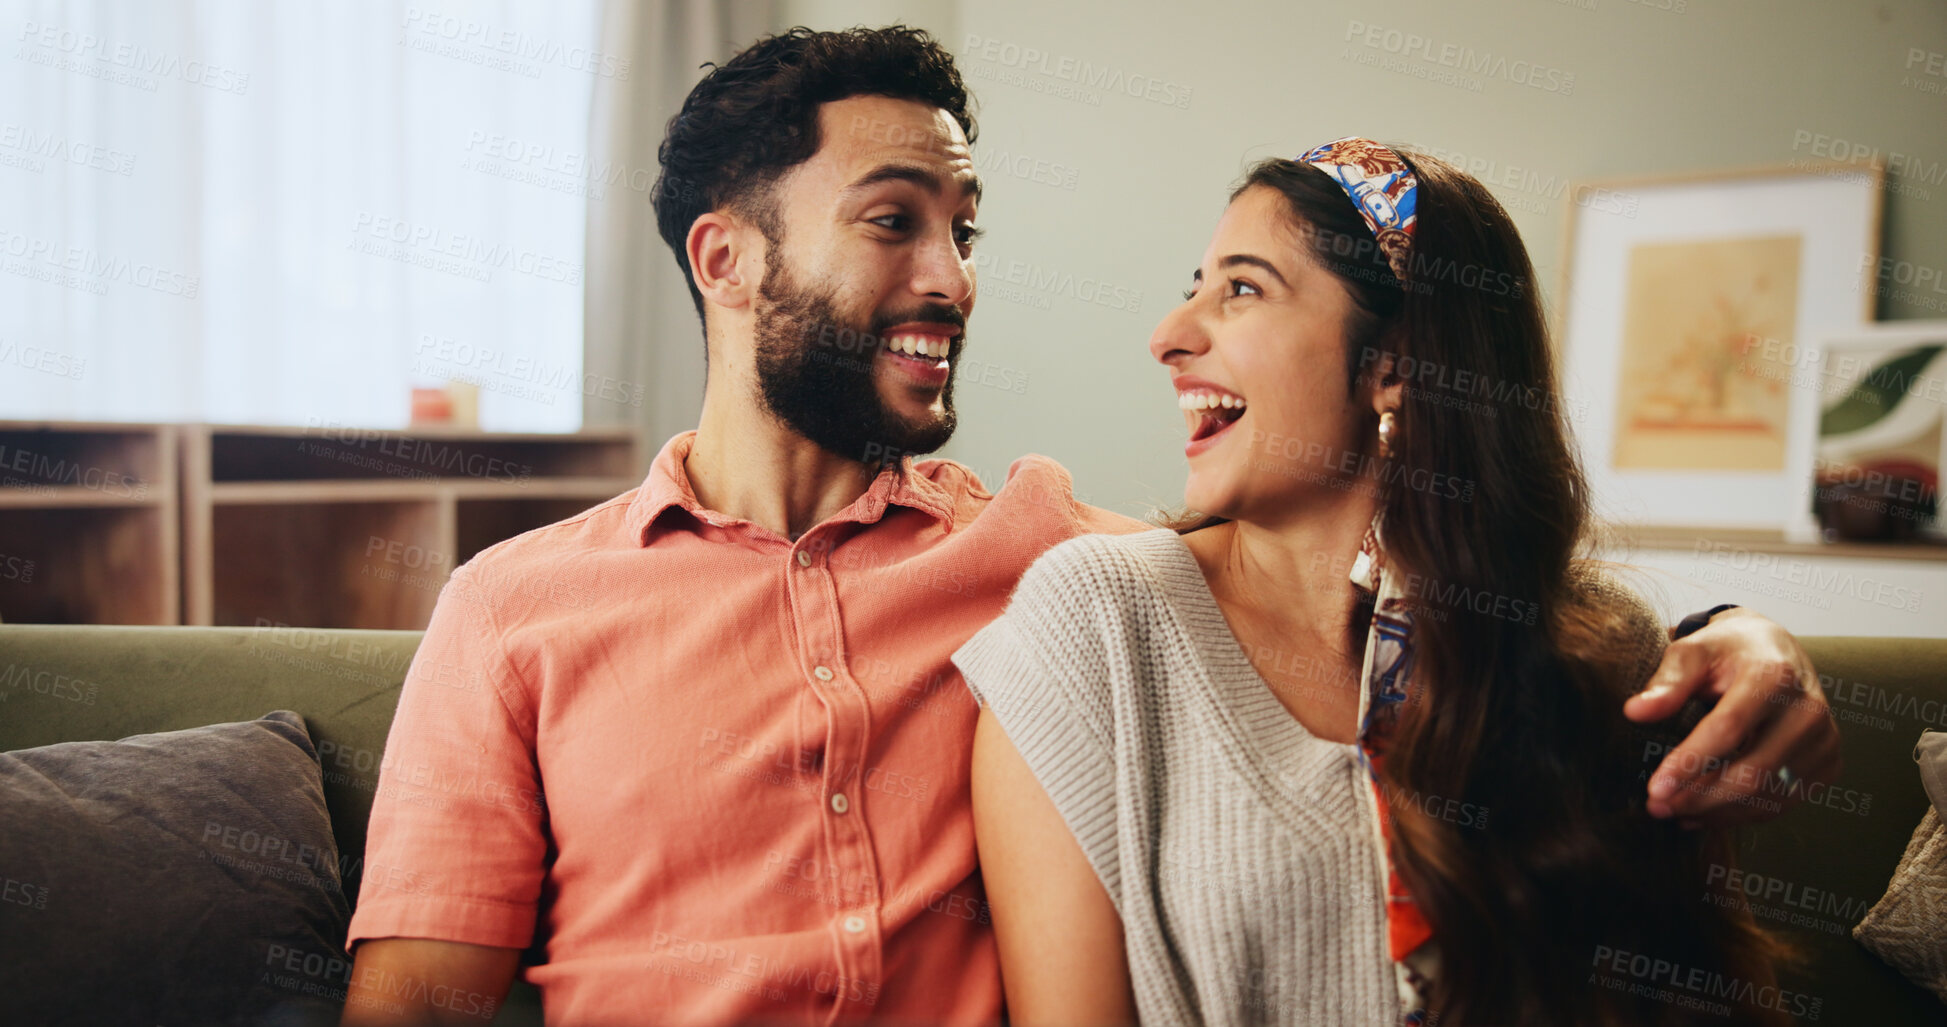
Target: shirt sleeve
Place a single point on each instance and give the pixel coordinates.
(1041, 667)
(457, 839)
(1096, 520)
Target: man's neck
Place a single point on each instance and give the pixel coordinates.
(745, 464)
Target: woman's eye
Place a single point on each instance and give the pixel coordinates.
(1189, 294)
(967, 235)
(1237, 285)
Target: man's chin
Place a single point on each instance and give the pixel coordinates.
(914, 413)
(914, 436)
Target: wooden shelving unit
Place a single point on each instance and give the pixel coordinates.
(88, 523)
(1762, 541)
(356, 528)
(219, 524)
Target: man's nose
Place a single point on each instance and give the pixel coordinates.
(940, 274)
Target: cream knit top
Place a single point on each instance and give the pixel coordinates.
(1242, 852)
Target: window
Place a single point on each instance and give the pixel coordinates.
(293, 213)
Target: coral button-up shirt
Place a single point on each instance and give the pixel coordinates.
(711, 774)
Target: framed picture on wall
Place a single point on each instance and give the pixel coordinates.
(1881, 425)
(1691, 308)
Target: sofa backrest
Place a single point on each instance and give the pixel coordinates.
(73, 683)
(1813, 873)
(1815, 870)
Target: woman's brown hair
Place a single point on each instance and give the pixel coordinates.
(1522, 717)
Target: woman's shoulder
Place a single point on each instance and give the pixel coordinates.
(1605, 586)
(1613, 617)
(1074, 628)
(1095, 572)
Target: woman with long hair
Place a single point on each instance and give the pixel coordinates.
(1346, 745)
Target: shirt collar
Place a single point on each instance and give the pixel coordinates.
(668, 487)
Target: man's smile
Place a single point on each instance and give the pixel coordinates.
(920, 352)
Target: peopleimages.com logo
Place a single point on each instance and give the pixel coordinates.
(1034, 68)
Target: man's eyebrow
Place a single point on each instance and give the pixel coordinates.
(918, 174)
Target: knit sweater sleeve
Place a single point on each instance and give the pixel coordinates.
(1044, 668)
(1639, 639)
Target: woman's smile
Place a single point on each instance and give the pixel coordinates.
(1210, 409)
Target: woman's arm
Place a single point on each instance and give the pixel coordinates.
(1062, 960)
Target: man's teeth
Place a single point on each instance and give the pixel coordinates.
(918, 345)
(1198, 399)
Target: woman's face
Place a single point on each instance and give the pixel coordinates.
(1257, 355)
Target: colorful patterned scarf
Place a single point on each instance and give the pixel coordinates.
(1385, 678)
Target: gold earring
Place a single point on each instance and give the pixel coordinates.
(1386, 429)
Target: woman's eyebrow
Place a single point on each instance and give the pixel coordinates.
(1259, 262)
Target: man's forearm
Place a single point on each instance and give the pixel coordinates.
(419, 981)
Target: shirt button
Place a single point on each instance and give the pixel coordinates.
(804, 558)
(855, 924)
(840, 803)
(822, 672)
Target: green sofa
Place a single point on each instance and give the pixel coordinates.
(1814, 871)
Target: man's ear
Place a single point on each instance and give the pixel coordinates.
(721, 261)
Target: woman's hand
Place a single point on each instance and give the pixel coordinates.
(1769, 713)
(1061, 946)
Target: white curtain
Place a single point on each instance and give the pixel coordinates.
(292, 213)
(644, 356)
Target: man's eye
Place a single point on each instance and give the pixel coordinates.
(967, 235)
(893, 222)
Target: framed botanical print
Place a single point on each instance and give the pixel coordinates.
(1690, 313)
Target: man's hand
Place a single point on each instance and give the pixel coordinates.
(1769, 713)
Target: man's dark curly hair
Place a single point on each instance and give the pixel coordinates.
(755, 117)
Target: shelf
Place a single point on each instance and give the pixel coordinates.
(428, 457)
(344, 565)
(100, 565)
(323, 527)
(93, 510)
(361, 490)
(1667, 538)
(67, 497)
(483, 522)
(430, 431)
(355, 528)
(45, 463)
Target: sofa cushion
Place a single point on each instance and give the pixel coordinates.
(183, 877)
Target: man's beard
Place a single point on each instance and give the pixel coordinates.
(814, 368)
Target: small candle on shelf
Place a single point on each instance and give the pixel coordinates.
(431, 406)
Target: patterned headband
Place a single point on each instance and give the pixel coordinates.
(1381, 185)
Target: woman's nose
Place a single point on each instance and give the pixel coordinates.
(1179, 335)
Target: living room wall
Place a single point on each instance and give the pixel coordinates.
(1098, 202)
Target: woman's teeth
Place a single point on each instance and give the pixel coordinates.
(918, 345)
(1204, 400)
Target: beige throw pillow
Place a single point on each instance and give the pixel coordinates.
(1908, 927)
